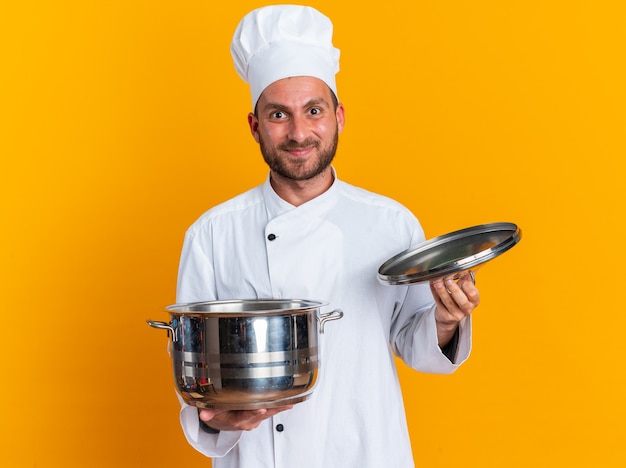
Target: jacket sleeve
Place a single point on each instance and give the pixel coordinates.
(196, 278)
(211, 445)
(196, 283)
(413, 333)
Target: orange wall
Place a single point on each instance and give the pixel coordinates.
(122, 121)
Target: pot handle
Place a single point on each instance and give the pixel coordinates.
(161, 325)
(328, 316)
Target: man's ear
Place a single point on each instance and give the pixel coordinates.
(341, 117)
(253, 123)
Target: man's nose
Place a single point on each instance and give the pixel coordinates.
(297, 129)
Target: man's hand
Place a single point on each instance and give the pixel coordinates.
(455, 300)
(240, 420)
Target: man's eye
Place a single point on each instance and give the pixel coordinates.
(315, 111)
(278, 115)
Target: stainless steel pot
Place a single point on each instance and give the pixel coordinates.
(245, 354)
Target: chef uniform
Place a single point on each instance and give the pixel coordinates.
(328, 249)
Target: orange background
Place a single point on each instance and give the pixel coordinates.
(122, 121)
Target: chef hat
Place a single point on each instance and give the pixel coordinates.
(280, 41)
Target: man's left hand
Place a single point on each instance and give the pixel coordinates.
(455, 299)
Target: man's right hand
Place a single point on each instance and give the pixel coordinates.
(239, 420)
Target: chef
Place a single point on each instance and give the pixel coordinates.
(305, 233)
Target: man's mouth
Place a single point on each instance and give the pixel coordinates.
(301, 149)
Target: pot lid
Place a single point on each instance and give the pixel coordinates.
(451, 253)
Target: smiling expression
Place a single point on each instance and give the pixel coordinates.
(297, 127)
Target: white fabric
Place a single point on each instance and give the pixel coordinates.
(328, 249)
(280, 41)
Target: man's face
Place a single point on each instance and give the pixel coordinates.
(297, 127)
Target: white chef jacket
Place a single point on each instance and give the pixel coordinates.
(328, 249)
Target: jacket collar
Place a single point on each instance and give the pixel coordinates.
(276, 206)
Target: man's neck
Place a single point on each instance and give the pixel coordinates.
(298, 192)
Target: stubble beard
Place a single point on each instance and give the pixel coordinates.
(294, 169)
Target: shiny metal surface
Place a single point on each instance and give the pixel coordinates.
(244, 307)
(245, 354)
(450, 254)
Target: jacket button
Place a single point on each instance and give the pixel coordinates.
(271, 237)
(280, 427)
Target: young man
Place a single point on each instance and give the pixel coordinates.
(306, 234)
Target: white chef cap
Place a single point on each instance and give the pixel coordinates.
(281, 41)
